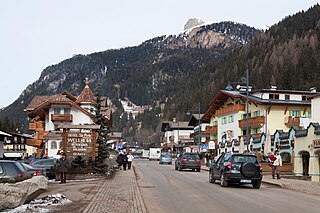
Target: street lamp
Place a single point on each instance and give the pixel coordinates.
(199, 121)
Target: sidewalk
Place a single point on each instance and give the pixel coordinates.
(292, 184)
(118, 194)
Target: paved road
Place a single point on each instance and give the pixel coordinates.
(166, 190)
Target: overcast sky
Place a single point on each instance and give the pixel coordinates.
(37, 33)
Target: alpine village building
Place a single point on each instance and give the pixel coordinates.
(283, 120)
(65, 123)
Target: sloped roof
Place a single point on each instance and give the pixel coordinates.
(86, 96)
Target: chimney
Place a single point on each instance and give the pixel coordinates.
(313, 89)
(273, 88)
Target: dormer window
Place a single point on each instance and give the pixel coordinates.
(56, 111)
(67, 111)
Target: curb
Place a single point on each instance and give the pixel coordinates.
(140, 198)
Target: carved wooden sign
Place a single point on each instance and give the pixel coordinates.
(77, 143)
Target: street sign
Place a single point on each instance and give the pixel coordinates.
(204, 146)
(212, 145)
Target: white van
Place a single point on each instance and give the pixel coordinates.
(154, 153)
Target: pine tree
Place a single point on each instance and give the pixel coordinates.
(103, 153)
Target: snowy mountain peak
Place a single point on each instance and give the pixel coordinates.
(193, 22)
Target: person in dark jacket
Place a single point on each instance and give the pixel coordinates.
(119, 160)
(63, 168)
(124, 161)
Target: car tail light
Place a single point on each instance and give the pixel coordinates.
(20, 175)
(260, 167)
(198, 161)
(229, 165)
(36, 173)
(183, 160)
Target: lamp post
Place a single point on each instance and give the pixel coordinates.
(199, 123)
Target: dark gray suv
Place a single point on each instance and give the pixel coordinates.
(188, 160)
(236, 168)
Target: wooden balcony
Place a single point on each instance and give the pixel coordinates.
(292, 121)
(212, 129)
(34, 142)
(230, 109)
(61, 117)
(254, 122)
(40, 135)
(36, 125)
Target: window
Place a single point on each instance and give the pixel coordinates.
(53, 145)
(230, 119)
(224, 120)
(271, 96)
(286, 157)
(56, 111)
(287, 97)
(296, 113)
(256, 113)
(274, 96)
(214, 123)
(67, 111)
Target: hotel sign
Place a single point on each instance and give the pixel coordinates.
(316, 143)
(80, 143)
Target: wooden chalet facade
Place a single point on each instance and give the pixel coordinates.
(59, 119)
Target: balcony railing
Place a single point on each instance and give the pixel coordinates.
(36, 125)
(253, 122)
(292, 121)
(230, 109)
(212, 129)
(61, 117)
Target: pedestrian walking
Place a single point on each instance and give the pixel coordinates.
(130, 159)
(276, 164)
(64, 165)
(124, 161)
(119, 160)
(208, 159)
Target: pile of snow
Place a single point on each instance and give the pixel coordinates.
(39, 206)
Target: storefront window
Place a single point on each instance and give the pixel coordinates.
(286, 157)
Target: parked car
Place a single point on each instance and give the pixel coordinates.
(236, 168)
(188, 160)
(35, 171)
(46, 163)
(13, 171)
(165, 158)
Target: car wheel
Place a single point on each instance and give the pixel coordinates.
(211, 179)
(175, 167)
(179, 168)
(198, 170)
(256, 185)
(223, 181)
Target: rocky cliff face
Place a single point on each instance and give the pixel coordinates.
(223, 35)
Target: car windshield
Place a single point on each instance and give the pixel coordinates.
(166, 155)
(244, 159)
(191, 155)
